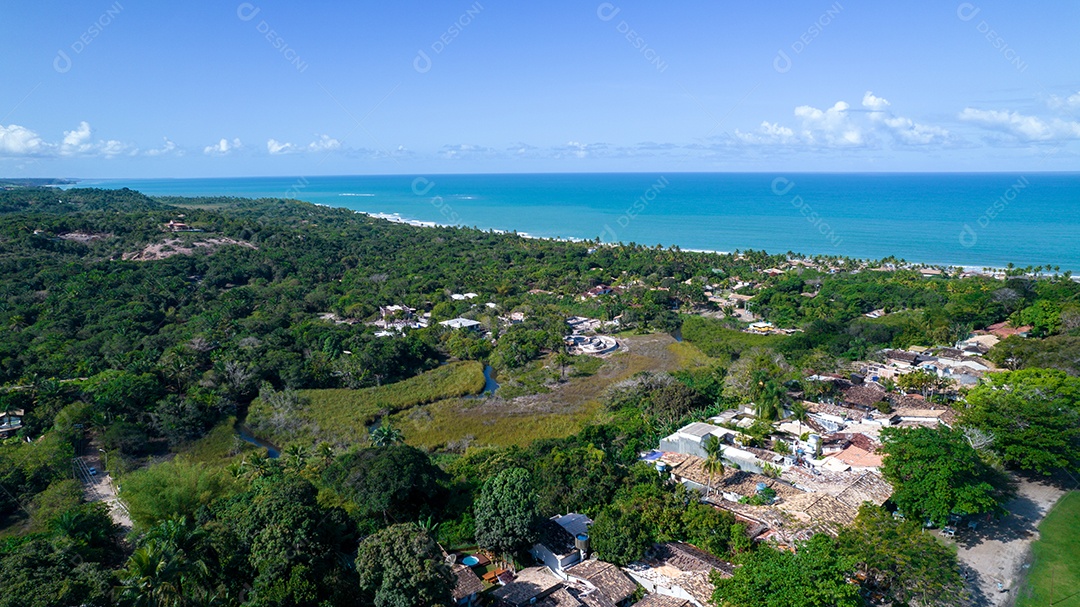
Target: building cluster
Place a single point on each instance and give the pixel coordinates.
(963, 364)
(672, 574)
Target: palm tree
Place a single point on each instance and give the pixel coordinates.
(715, 467)
(152, 578)
(325, 452)
(386, 435)
(770, 401)
(295, 457)
(256, 467)
(799, 413)
(714, 463)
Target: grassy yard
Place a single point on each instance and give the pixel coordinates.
(1057, 557)
(341, 416)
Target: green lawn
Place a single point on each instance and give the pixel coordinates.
(1057, 556)
(341, 415)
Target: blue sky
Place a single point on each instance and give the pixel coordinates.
(138, 89)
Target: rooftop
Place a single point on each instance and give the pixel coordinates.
(662, 600)
(460, 323)
(529, 583)
(556, 538)
(606, 578)
(467, 582)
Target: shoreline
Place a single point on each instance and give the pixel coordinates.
(967, 269)
(942, 262)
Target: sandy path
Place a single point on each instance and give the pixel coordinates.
(998, 551)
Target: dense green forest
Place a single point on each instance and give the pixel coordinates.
(121, 332)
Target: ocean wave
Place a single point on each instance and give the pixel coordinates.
(352, 194)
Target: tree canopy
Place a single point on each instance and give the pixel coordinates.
(935, 473)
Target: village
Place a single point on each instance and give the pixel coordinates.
(784, 480)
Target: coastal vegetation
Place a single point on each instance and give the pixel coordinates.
(182, 339)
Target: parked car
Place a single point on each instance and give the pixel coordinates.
(93, 471)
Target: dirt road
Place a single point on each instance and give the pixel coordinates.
(997, 552)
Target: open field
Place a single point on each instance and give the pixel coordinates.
(342, 416)
(561, 409)
(1054, 578)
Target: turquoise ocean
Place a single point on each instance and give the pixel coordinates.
(977, 220)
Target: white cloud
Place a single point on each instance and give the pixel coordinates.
(1065, 103)
(77, 141)
(1021, 126)
(874, 103)
(222, 147)
(841, 127)
(169, 147)
(113, 148)
(831, 126)
(17, 140)
(276, 147)
(768, 132)
(910, 132)
(904, 130)
(323, 143)
(466, 150)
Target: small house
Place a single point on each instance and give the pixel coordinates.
(461, 323)
(563, 542)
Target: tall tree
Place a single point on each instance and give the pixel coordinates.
(506, 512)
(816, 575)
(401, 566)
(935, 472)
(901, 561)
(1033, 416)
